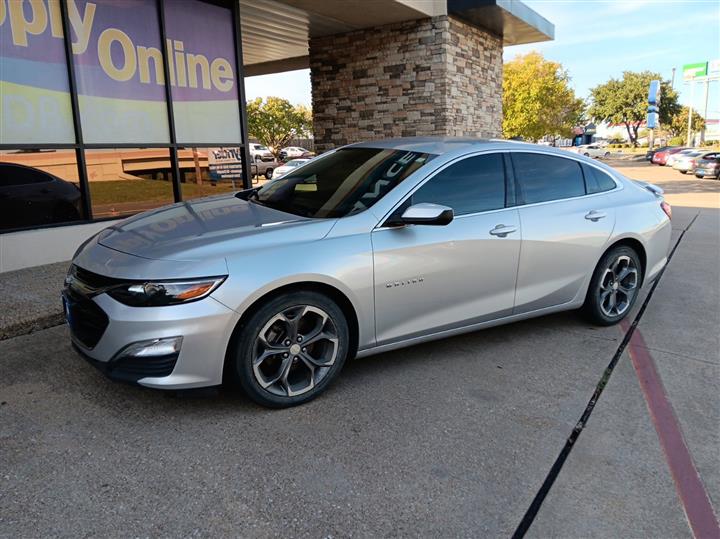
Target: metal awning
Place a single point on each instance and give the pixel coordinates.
(275, 33)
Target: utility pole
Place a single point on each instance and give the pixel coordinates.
(705, 112)
(672, 80)
(690, 111)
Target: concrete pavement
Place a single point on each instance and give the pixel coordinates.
(451, 438)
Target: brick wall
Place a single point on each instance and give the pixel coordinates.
(435, 76)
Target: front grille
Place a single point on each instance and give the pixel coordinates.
(94, 281)
(141, 367)
(86, 319)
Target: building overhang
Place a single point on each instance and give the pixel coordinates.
(514, 21)
(276, 33)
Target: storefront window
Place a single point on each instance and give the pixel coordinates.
(201, 176)
(116, 91)
(34, 92)
(202, 72)
(38, 188)
(120, 74)
(127, 181)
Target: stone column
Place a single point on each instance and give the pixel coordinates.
(437, 76)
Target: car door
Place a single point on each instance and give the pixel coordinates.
(432, 278)
(565, 227)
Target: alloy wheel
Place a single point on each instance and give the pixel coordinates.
(295, 350)
(618, 286)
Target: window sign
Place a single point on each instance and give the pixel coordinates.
(225, 164)
(34, 90)
(201, 53)
(120, 76)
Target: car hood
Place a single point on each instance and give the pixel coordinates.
(209, 228)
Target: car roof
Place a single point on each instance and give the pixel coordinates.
(442, 145)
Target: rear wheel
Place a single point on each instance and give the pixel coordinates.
(290, 349)
(683, 172)
(614, 286)
(268, 174)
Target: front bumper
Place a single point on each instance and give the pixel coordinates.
(205, 327)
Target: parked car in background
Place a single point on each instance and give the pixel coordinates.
(708, 166)
(369, 248)
(291, 165)
(292, 152)
(258, 152)
(264, 168)
(650, 153)
(685, 161)
(661, 157)
(670, 161)
(32, 197)
(592, 150)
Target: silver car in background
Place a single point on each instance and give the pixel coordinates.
(367, 248)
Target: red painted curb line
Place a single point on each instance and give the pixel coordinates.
(689, 486)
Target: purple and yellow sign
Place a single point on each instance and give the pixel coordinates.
(116, 48)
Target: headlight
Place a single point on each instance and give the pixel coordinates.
(156, 294)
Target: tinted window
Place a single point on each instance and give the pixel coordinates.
(347, 181)
(546, 177)
(18, 175)
(596, 180)
(472, 185)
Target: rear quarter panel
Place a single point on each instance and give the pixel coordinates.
(640, 217)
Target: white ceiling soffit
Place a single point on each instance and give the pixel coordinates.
(276, 32)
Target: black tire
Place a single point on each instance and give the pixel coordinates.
(268, 174)
(607, 155)
(586, 154)
(243, 348)
(683, 172)
(700, 176)
(592, 309)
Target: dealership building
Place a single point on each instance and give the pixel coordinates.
(112, 107)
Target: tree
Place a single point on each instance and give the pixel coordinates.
(538, 99)
(274, 122)
(625, 101)
(679, 123)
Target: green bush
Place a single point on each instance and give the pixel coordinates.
(676, 141)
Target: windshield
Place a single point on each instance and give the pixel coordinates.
(345, 182)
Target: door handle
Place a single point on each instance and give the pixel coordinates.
(595, 216)
(503, 230)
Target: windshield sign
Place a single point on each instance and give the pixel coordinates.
(343, 183)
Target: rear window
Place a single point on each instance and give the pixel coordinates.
(547, 177)
(596, 180)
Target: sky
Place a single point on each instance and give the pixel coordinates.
(594, 41)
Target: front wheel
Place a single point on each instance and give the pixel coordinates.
(268, 174)
(683, 172)
(607, 155)
(614, 286)
(290, 349)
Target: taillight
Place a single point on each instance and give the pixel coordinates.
(666, 208)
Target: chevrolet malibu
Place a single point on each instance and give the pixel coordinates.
(368, 248)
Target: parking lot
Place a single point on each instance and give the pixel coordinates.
(450, 438)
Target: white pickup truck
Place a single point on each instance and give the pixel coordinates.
(262, 161)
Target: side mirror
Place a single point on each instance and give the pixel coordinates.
(424, 213)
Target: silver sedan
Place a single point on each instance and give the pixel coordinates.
(367, 248)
